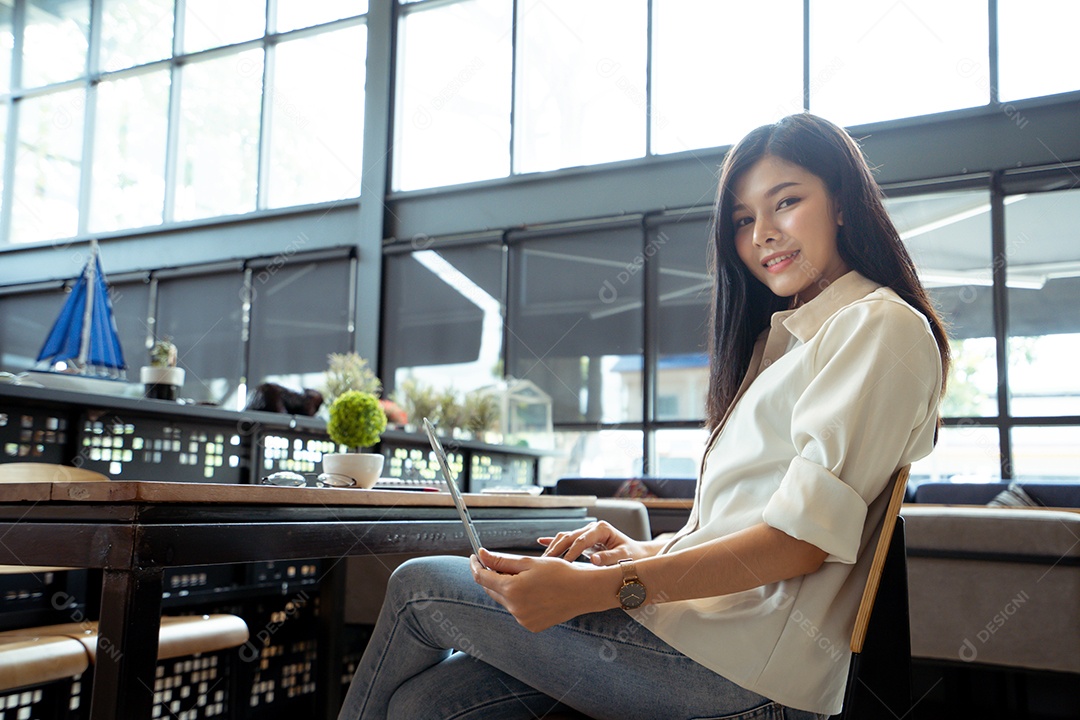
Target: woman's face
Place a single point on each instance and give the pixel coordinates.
(785, 228)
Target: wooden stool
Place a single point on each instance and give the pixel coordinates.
(179, 636)
(34, 660)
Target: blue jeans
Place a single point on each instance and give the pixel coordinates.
(604, 664)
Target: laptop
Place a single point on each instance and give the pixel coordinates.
(451, 484)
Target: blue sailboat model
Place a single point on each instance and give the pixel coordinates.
(84, 337)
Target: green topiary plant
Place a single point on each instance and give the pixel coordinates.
(356, 419)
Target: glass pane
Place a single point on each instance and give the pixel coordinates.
(453, 110)
(580, 83)
(576, 322)
(55, 41)
(948, 236)
(218, 155)
(317, 128)
(454, 295)
(133, 33)
(964, 453)
(129, 151)
(882, 59)
(605, 453)
(7, 44)
(46, 193)
(299, 315)
(202, 317)
(1043, 279)
(1034, 48)
(131, 308)
(713, 105)
(1046, 454)
(678, 453)
(292, 14)
(685, 288)
(25, 322)
(212, 23)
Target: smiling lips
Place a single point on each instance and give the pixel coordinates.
(778, 262)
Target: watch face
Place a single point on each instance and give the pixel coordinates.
(631, 595)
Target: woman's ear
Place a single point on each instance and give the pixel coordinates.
(839, 217)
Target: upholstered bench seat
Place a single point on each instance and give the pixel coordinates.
(995, 586)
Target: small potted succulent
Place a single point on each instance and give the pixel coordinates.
(357, 420)
(161, 378)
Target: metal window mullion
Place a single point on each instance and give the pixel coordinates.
(650, 347)
(648, 76)
(247, 301)
(172, 132)
(86, 170)
(152, 313)
(87, 167)
(993, 51)
(806, 55)
(999, 270)
(262, 182)
(513, 85)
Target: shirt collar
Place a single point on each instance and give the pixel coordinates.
(803, 322)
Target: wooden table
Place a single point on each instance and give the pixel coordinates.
(132, 531)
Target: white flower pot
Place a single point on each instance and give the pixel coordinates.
(364, 468)
(163, 383)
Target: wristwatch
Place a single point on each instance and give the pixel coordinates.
(632, 592)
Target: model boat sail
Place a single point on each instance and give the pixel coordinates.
(84, 336)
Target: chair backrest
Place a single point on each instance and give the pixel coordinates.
(879, 676)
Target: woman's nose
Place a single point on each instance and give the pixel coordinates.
(764, 232)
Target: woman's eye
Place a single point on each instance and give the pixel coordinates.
(740, 222)
(787, 202)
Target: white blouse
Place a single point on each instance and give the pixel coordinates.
(839, 394)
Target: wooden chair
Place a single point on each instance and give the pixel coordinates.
(879, 675)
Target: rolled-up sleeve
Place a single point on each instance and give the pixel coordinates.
(869, 407)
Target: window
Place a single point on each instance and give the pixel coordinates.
(684, 287)
(882, 59)
(948, 237)
(171, 136)
(1043, 280)
(1034, 39)
(7, 45)
(218, 154)
(453, 109)
(699, 99)
(293, 14)
(455, 295)
(299, 315)
(212, 23)
(47, 166)
(55, 41)
(202, 316)
(133, 33)
(27, 320)
(580, 83)
(128, 189)
(575, 321)
(316, 151)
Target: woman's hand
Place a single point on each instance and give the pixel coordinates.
(608, 545)
(544, 591)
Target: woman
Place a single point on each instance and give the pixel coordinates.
(826, 369)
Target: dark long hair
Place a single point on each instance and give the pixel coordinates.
(867, 242)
